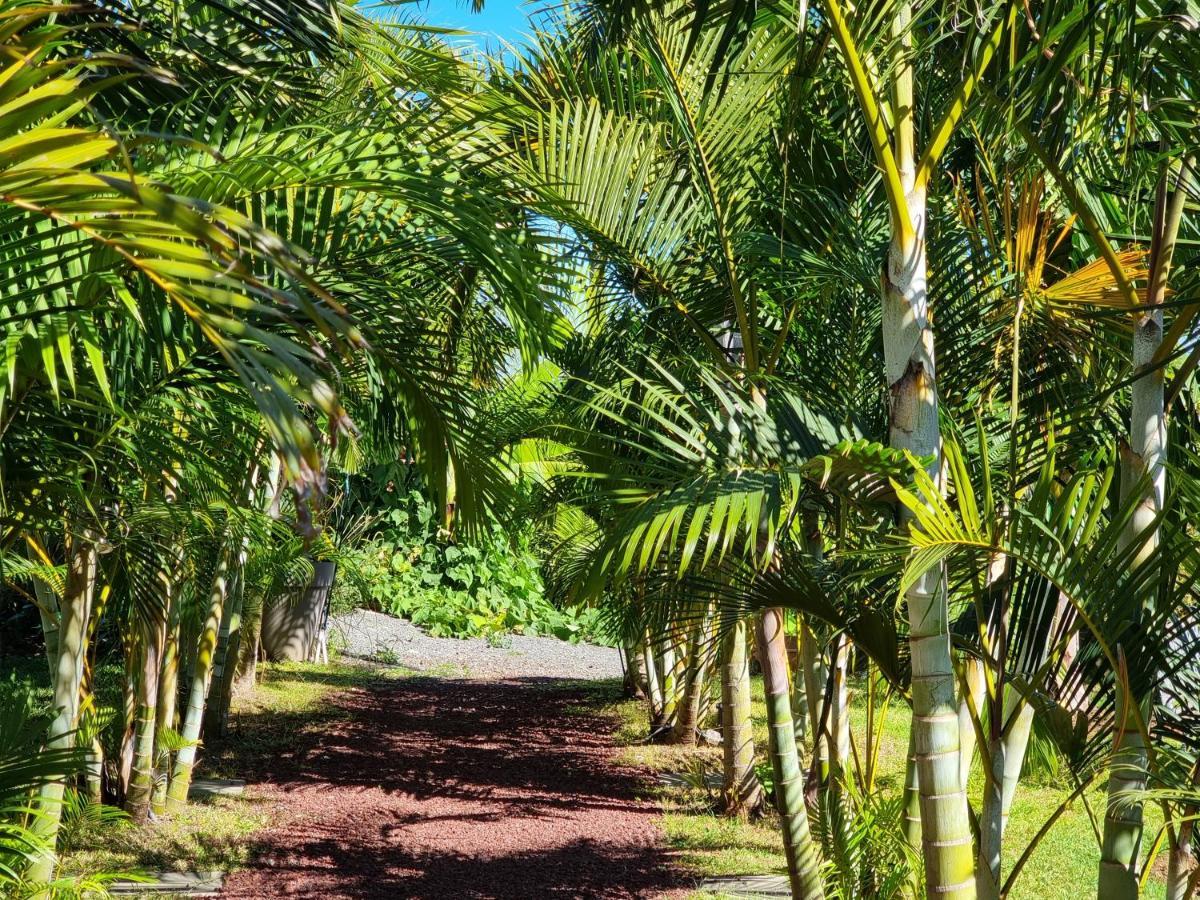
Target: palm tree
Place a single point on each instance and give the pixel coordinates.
(164, 308)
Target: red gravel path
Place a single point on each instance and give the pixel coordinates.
(457, 789)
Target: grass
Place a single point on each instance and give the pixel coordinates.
(216, 834)
(206, 836)
(1062, 867)
(290, 703)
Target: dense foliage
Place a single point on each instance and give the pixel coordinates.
(857, 339)
(488, 587)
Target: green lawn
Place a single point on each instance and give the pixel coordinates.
(1063, 867)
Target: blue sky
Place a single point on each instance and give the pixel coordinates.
(501, 19)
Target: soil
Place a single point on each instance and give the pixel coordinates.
(431, 788)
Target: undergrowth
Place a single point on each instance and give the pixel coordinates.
(1062, 867)
(489, 587)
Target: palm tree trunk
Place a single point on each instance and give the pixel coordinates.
(813, 665)
(1007, 756)
(229, 649)
(741, 790)
(68, 675)
(635, 671)
(912, 795)
(250, 650)
(1182, 862)
(799, 847)
(653, 684)
(128, 716)
(141, 782)
(168, 693)
(185, 759)
(48, 609)
(1144, 469)
(913, 417)
(669, 668)
(839, 714)
(695, 677)
(976, 681)
(800, 687)
(225, 664)
(94, 772)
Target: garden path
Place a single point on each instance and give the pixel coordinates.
(452, 788)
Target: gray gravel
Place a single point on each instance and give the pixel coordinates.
(370, 635)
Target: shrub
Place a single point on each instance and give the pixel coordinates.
(410, 568)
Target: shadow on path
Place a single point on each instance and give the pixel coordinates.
(456, 789)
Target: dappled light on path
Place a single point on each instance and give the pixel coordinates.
(458, 789)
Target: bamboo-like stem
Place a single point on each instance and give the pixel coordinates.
(68, 674)
(696, 649)
(225, 664)
(668, 664)
(185, 759)
(653, 683)
(839, 714)
(913, 426)
(975, 680)
(912, 795)
(168, 693)
(1181, 863)
(1144, 469)
(800, 710)
(799, 847)
(93, 775)
(1006, 755)
(141, 781)
(229, 641)
(48, 610)
(635, 670)
(813, 666)
(741, 790)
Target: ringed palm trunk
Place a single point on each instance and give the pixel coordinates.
(913, 426)
(185, 759)
(68, 676)
(799, 847)
(813, 672)
(1182, 861)
(1144, 469)
(225, 662)
(653, 684)
(741, 791)
(141, 781)
(1000, 786)
(912, 795)
(695, 675)
(51, 615)
(1121, 844)
(800, 687)
(245, 667)
(128, 717)
(668, 664)
(230, 651)
(839, 714)
(635, 671)
(229, 642)
(976, 681)
(168, 692)
(94, 774)
(908, 349)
